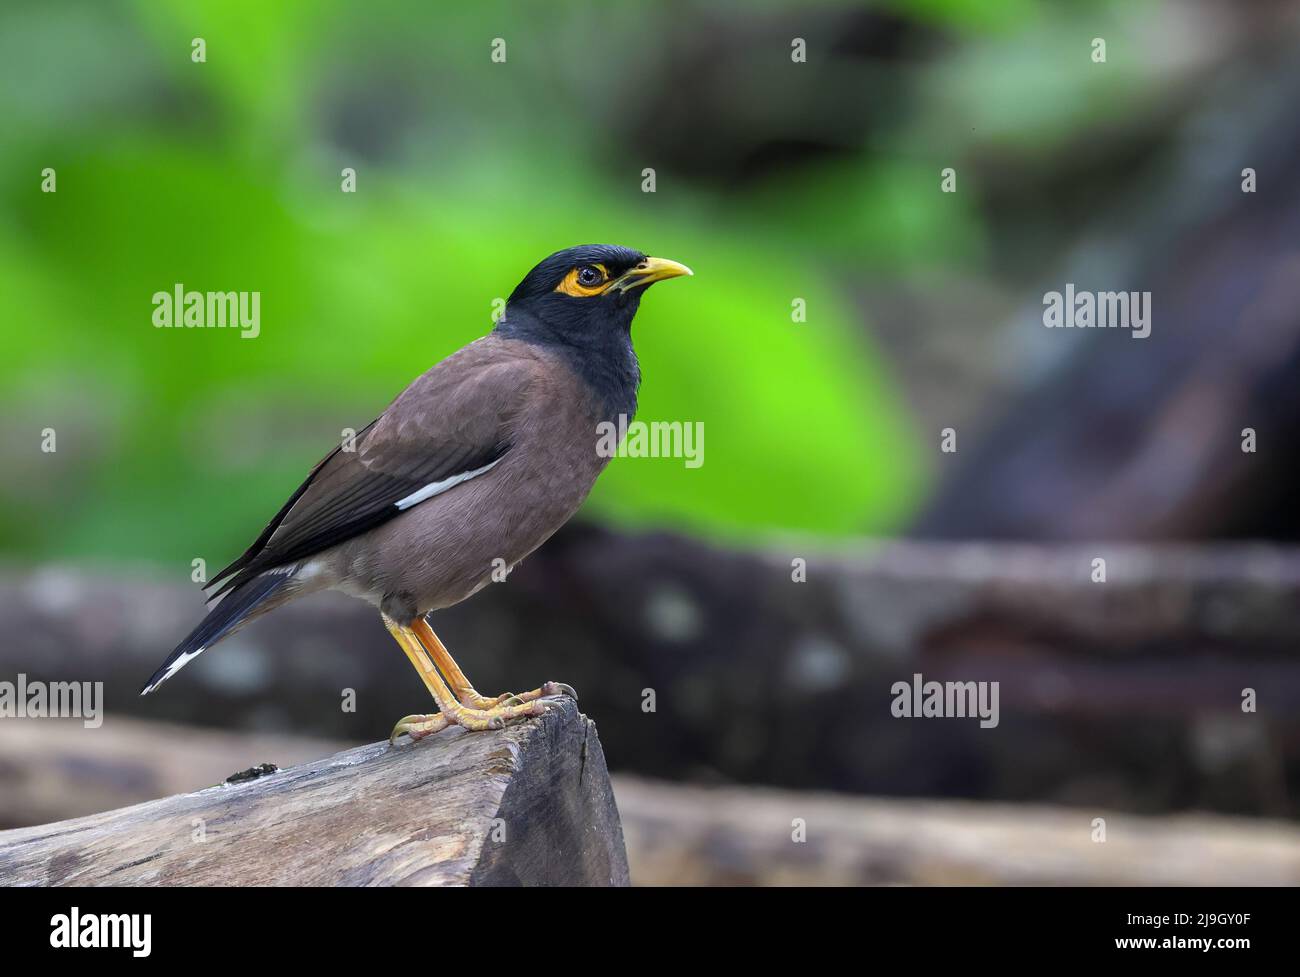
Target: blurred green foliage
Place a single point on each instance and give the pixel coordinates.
(226, 175)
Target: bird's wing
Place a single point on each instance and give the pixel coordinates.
(448, 426)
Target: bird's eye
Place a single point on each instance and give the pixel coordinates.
(590, 277)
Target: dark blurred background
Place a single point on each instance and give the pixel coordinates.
(775, 180)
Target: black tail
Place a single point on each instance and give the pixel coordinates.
(235, 608)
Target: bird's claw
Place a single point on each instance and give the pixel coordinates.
(548, 690)
(559, 688)
(417, 727)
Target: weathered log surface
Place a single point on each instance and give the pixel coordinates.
(529, 805)
(56, 769)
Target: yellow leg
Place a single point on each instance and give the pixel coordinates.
(417, 726)
(461, 686)
(450, 710)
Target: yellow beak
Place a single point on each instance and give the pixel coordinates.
(648, 271)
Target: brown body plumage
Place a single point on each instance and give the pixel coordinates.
(536, 404)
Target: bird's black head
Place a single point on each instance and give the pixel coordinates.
(585, 293)
(582, 300)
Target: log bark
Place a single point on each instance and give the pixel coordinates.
(527, 805)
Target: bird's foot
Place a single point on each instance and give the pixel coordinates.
(472, 699)
(548, 690)
(497, 713)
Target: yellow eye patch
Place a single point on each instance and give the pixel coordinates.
(571, 285)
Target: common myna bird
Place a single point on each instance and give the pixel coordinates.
(470, 469)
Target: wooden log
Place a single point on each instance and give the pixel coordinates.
(56, 769)
(678, 834)
(1126, 694)
(752, 836)
(527, 805)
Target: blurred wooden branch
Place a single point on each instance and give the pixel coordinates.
(1123, 694)
(747, 836)
(530, 805)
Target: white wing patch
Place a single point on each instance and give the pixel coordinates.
(437, 488)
